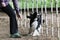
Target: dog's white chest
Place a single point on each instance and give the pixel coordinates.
(34, 24)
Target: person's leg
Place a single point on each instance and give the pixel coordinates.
(13, 22)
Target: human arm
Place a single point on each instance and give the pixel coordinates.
(15, 3)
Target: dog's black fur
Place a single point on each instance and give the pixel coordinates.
(32, 18)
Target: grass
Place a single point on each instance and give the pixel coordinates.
(29, 3)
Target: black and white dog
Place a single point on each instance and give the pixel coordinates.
(35, 23)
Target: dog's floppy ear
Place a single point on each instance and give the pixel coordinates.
(32, 15)
(28, 17)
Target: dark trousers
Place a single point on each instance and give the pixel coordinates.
(13, 22)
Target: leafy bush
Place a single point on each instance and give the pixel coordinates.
(29, 3)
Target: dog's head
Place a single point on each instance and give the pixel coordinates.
(34, 18)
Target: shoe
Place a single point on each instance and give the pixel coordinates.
(16, 35)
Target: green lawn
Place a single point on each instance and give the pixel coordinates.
(29, 3)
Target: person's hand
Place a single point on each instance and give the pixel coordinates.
(19, 16)
(3, 4)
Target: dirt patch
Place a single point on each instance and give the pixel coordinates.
(49, 30)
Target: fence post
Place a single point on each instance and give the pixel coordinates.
(21, 14)
(52, 17)
(37, 6)
(41, 2)
(32, 6)
(46, 17)
(25, 13)
(27, 5)
(57, 20)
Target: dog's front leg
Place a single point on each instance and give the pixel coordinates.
(37, 31)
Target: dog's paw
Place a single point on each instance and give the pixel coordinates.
(28, 16)
(36, 33)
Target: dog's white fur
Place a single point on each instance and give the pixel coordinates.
(37, 33)
(34, 20)
(34, 25)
